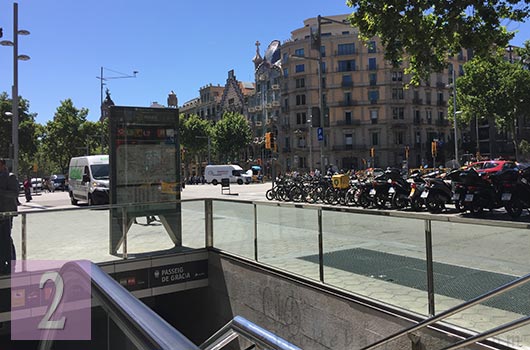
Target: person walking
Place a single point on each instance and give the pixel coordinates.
(27, 189)
(8, 203)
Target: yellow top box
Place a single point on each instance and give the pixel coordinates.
(340, 181)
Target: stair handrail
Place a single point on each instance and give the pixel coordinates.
(240, 326)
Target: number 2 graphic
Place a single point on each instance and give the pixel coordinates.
(46, 323)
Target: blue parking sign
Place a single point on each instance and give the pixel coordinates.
(320, 134)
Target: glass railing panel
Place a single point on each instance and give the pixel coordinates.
(64, 235)
(285, 236)
(470, 260)
(376, 256)
(233, 227)
(193, 224)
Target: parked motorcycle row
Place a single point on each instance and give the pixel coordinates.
(466, 189)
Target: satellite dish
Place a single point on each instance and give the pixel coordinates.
(272, 55)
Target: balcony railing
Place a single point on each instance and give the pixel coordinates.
(417, 101)
(347, 83)
(347, 122)
(348, 147)
(442, 122)
(347, 103)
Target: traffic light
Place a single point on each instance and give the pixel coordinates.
(372, 152)
(268, 140)
(434, 150)
(315, 117)
(273, 143)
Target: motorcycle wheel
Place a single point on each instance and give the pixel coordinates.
(514, 208)
(435, 204)
(415, 204)
(380, 202)
(476, 209)
(400, 201)
(364, 200)
(460, 207)
(269, 194)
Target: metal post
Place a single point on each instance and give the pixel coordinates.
(124, 224)
(209, 149)
(14, 107)
(454, 116)
(430, 268)
(310, 122)
(320, 102)
(101, 86)
(24, 242)
(320, 247)
(208, 224)
(255, 232)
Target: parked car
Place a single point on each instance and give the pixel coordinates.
(492, 166)
(58, 183)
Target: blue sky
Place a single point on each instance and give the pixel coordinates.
(175, 45)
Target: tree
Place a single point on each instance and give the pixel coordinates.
(64, 136)
(427, 31)
(28, 132)
(194, 135)
(231, 134)
(494, 89)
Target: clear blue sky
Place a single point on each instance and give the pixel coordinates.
(175, 45)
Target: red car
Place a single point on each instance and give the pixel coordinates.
(492, 166)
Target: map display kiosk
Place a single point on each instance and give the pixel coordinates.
(144, 170)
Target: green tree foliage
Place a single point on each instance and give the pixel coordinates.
(194, 134)
(65, 135)
(231, 134)
(28, 132)
(494, 89)
(428, 31)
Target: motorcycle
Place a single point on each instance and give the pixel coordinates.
(516, 192)
(437, 194)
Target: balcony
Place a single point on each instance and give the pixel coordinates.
(417, 121)
(276, 103)
(441, 102)
(442, 122)
(373, 102)
(373, 82)
(347, 83)
(372, 67)
(286, 149)
(348, 147)
(347, 122)
(276, 86)
(417, 101)
(347, 103)
(440, 84)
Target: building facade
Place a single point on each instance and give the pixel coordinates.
(371, 117)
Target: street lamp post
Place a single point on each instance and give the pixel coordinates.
(14, 93)
(454, 116)
(310, 122)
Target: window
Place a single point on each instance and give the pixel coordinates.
(285, 72)
(285, 57)
(397, 76)
(441, 116)
(418, 137)
(397, 93)
(323, 66)
(417, 116)
(398, 113)
(373, 78)
(347, 117)
(348, 139)
(347, 80)
(373, 95)
(299, 52)
(440, 98)
(460, 70)
(428, 115)
(371, 47)
(299, 68)
(375, 138)
(399, 137)
(323, 51)
(346, 49)
(300, 100)
(347, 66)
(347, 97)
(374, 114)
(428, 96)
(300, 83)
(301, 118)
(346, 33)
(372, 63)
(302, 162)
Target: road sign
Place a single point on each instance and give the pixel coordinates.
(320, 134)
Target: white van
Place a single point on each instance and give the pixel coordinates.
(214, 173)
(88, 179)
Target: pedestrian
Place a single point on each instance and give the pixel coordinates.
(8, 203)
(27, 189)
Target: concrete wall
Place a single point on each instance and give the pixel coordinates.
(305, 316)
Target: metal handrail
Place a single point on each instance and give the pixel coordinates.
(454, 310)
(239, 326)
(145, 328)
